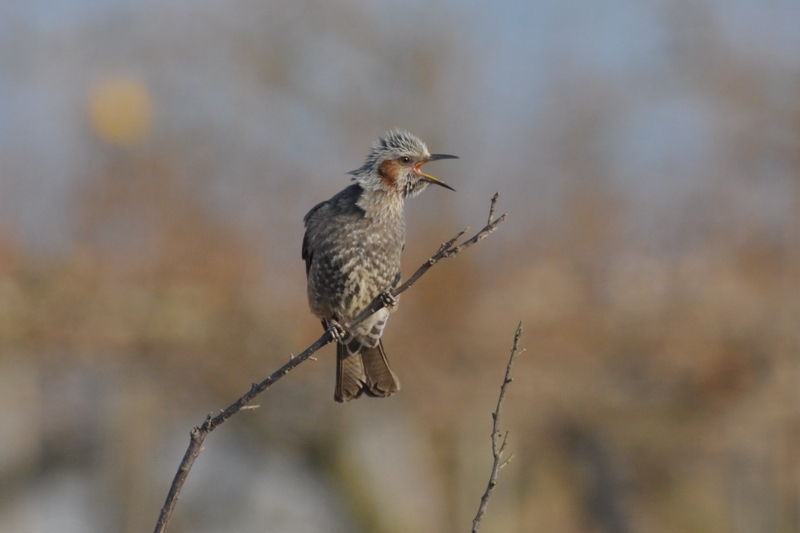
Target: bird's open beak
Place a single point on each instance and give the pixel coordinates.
(436, 157)
(431, 179)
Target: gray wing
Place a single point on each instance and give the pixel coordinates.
(342, 206)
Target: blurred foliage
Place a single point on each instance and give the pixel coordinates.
(659, 389)
(655, 392)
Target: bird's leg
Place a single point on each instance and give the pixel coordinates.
(389, 301)
(336, 330)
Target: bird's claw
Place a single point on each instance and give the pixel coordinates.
(389, 301)
(336, 330)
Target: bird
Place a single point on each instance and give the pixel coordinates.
(351, 248)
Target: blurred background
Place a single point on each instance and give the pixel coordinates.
(157, 158)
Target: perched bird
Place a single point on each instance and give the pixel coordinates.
(352, 249)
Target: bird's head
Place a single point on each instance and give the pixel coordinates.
(394, 165)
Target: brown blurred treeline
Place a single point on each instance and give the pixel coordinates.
(658, 392)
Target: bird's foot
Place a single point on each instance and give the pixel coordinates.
(336, 330)
(389, 301)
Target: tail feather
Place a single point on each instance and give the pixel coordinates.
(363, 371)
(350, 375)
(381, 380)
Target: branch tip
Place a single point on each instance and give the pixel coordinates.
(491, 207)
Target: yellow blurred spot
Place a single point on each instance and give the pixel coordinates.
(120, 110)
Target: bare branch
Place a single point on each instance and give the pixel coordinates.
(199, 433)
(498, 440)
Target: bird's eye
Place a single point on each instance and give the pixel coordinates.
(405, 159)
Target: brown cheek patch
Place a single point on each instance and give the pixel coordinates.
(388, 171)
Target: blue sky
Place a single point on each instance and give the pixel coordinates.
(509, 74)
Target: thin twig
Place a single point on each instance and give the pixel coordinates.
(491, 209)
(199, 433)
(498, 440)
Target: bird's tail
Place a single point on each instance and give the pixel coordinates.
(363, 370)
